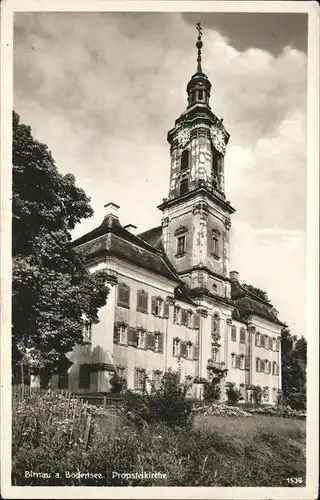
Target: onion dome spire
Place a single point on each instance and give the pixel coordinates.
(198, 88)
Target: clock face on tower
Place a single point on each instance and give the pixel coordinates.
(183, 137)
(218, 140)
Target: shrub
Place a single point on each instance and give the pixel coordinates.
(117, 383)
(168, 403)
(211, 392)
(257, 394)
(233, 394)
(296, 400)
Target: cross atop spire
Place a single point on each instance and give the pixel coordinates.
(199, 45)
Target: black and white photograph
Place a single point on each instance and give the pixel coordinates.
(160, 256)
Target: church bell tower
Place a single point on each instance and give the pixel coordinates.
(196, 215)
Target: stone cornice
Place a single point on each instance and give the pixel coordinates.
(202, 190)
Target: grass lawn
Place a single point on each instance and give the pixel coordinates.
(216, 451)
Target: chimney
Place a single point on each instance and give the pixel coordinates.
(234, 275)
(111, 210)
(131, 228)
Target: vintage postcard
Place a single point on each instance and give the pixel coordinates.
(159, 241)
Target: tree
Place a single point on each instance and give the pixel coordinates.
(294, 362)
(51, 287)
(257, 291)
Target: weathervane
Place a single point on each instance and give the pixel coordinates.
(199, 45)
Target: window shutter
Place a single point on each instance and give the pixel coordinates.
(257, 364)
(153, 305)
(116, 334)
(166, 309)
(132, 336)
(183, 351)
(161, 343)
(196, 320)
(139, 300)
(277, 369)
(247, 363)
(150, 340)
(195, 352)
(184, 317)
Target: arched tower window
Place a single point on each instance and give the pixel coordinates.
(184, 160)
(184, 186)
(215, 162)
(200, 95)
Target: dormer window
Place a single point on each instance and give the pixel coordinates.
(185, 159)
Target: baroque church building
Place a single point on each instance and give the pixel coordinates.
(173, 304)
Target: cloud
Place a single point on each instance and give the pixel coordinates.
(273, 260)
(102, 90)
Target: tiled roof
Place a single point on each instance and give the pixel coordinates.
(111, 238)
(153, 237)
(146, 251)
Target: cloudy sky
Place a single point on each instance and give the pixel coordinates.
(102, 90)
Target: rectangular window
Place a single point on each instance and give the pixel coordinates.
(277, 369)
(184, 317)
(269, 367)
(242, 336)
(157, 341)
(156, 378)
(142, 301)
(233, 360)
(87, 331)
(270, 343)
(234, 333)
(258, 339)
(242, 362)
(189, 350)
(237, 361)
(176, 347)
(263, 341)
(141, 339)
(257, 364)
(84, 376)
(177, 315)
(123, 334)
(262, 366)
(139, 379)
(157, 306)
(215, 244)
(123, 295)
(215, 355)
(189, 319)
(278, 345)
(181, 245)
